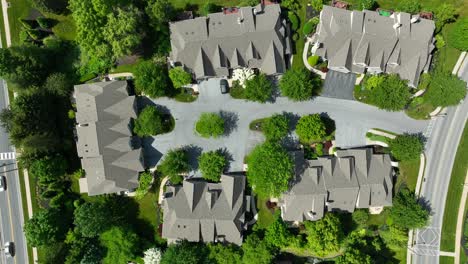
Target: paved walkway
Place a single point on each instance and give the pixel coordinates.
(6, 22)
(460, 221)
(306, 63)
(161, 189)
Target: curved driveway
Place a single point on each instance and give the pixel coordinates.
(352, 120)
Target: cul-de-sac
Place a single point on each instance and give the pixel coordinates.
(233, 131)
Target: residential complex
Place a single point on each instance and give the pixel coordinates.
(208, 212)
(110, 154)
(250, 37)
(353, 178)
(365, 41)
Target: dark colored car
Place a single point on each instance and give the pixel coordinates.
(224, 86)
(9, 249)
(2, 183)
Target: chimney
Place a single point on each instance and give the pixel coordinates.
(396, 25)
(414, 19)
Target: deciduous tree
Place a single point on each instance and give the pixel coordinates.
(149, 122)
(392, 94)
(122, 245)
(122, 30)
(258, 88)
(48, 169)
(269, 169)
(458, 36)
(151, 79)
(299, 85)
(212, 165)
(311, 128)
(225, 254)
(324, 236)
(407, 147)
(179, 77)
(210, 125)
(276, 127)
(257, 251)
(175, 162)
(444, 13)
(185, 253)
(445, 89)
(408, 6)
(406, 212)
(277, 234)
(46, 227)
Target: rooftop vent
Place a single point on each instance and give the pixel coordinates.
(240, 20)
(414, 19)
(396, 25)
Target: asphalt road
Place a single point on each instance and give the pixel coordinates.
(440, 152)
(11, 209)
(352, 119)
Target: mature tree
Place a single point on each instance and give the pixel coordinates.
(311, 128)
(324, 236)
(212, 165)
(299, 85)
(50, 6)
(360, 217)
(152, 256)
(91, 219)
(159, 11)
(121, 30)
(209, 8)
(48, 169)
(46, 227)
(225, 254)
(258, 88)
(175, 162)
(394, 237)
(151, 79)
(445, 13)
(277, 234)
(407, 147)
(317, 4)
(185, 253)
(408, 6)
(291, 4)
(25, 65)
(373, 81)
(93, 255)
(144, 183)
(366, 4)
(80, 247)
(149, 122)
(276, 127)
(445, 89)
(122, 245)
(354, 256)
(257, 251)
(269, 169)
(406, 212)
(392, 94)
(458, 36)
(59, 84)
(179, 77)
(210, 125)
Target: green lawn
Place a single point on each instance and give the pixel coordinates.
(181, 4)
(299, 44)
(265, 216)
(24, 203)
(2, 30)
(18, 9)
(65, 27)
(409, 173)
(455, 189)
(375, 137)
(446, 260)
(463, 256)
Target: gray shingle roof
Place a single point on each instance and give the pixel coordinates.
(354, 178)
(110, 154)
(355, 40)
(202, 211)
(210, 46)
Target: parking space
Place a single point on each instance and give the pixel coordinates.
(210, 90)
(339, 85)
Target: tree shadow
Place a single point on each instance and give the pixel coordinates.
(426, 204)
(293, 119)
(230, 121)
(290, 142)
(329, 123)
(193, 152)
(151, 154)
(228, 156)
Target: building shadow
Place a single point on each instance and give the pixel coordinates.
(150, 153)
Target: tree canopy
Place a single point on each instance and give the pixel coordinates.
(144, 183)
(277, 233)
(122, 245)
(406, 212)
(91, 219)
(185, 253)
(159, 12)
(444, 13)
(269, 169)
(151, 79)
(276, 127)
(445, 89)
(258, 88)
(225, 254)
(149, 122)
(354, 256)
(311, 128)
(212, 164)
(392, 94)
(46, 226)
(48, 169)
(175, 162)
(458, 36)
(299, 85)
(324, 236)
(179, 77)
(408, 6)
(366, 4)
(257, 251)
(210, 125)
(407, 147)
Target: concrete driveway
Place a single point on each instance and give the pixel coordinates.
(339, 85)
(352, 119)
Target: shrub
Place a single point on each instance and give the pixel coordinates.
(310, 26)
(237, 91)
(299, 84)
(45, 22)
(151, 78)
(144, 183)
(258, 88)
(440, 42)
(317, 4)
(392, 94)
(179, 77)
(445, 89)
(407, 147)
(313, 60)
(36, 34)
(210, 125)
(275, 127)
(311, 128)
(212, 165)
(175, 162)
(444, 14)
(366, 4)
(458, 36)
(408, 6)
(406, 212)
(319, 149)
(149, 122)
(294, 20)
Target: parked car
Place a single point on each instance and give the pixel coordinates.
(2, 183)
(224, 86)
(9, 249)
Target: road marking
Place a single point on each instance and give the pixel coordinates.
(7, 155)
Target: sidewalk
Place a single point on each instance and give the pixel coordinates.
(461, 213)
(7, 22)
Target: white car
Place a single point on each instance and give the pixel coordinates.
(9, 249)
(2, 183)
